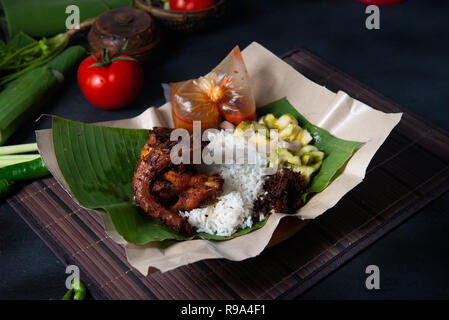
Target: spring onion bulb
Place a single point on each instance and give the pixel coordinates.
(9, 154)
(19, 148)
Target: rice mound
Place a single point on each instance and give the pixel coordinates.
(243, 182)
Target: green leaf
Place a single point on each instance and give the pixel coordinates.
(21, 40)
(337, 151)
(98, 165)
(20, 99)
(67, 60)
(47, 17)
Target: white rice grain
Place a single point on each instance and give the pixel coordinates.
(243, 183)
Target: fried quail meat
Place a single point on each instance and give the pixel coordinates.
(281, 193)
(162, 188)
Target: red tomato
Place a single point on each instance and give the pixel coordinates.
(112, 86)
(191, 5)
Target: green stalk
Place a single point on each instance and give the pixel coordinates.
(23, 97)
(35, 54)
(25, 157)
(31, 57)
(19, 148)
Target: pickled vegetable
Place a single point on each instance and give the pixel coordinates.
(246, 126)
(292, 147)
(269, 120)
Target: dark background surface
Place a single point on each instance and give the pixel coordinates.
(405, 60)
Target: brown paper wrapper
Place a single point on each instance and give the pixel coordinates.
(271, 79)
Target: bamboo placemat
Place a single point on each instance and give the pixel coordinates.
(409, 170)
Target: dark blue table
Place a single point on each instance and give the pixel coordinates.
(405, 60)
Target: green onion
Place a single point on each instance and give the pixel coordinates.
(25, 157)
(22, 60)
(16, 61)
(19, 148)
(23, 97)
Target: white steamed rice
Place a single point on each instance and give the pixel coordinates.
(243, 183)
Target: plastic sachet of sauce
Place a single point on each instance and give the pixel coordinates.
(225, 92)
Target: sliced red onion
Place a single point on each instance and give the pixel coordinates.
(293, 146)
(227, 126)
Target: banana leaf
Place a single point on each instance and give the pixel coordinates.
(98, 165)
(47, 17)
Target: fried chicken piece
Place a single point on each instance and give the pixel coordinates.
(165, 191)
(200, 191)
(179, 180)
(155, 158)
(159, 183)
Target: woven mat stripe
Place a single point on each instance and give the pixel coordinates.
(55, 246)
(370, 237)
(206, 282)
(75, 239)
(95, 248)
(112, 266)
(251, 278)
(116, 252)
(37, 208)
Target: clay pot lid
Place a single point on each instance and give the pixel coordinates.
(135, 27)
(123, 22)
(114, 27)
